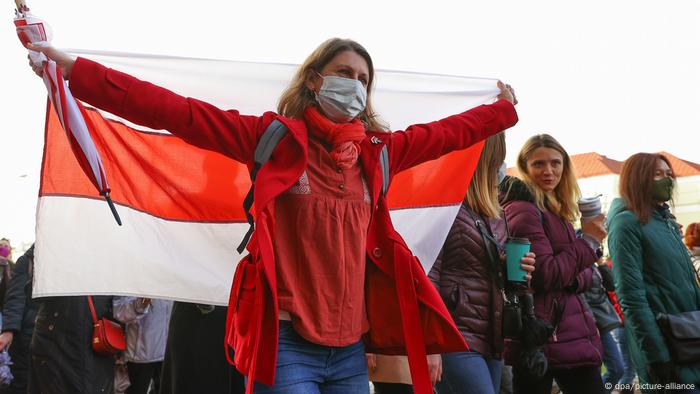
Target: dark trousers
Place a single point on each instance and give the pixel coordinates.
(141, 375)
(195, 361)
(570, 381)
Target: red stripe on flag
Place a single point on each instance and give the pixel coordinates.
(164, 176)
(437, 182)
(158, 174)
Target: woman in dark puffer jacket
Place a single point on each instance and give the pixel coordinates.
(471, 284)
(542, 208)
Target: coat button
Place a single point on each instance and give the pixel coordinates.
(376, 252)
(50, 327)
(341, 186)
(55, 314)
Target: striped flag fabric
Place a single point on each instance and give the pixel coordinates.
(33, 30)
(181, 206)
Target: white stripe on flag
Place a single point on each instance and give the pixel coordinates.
(196, 266)
(425, 230)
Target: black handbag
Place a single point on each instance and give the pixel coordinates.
(682, 334)
(512, 315)
(512, 322)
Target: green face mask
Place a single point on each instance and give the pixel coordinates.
(662, 189)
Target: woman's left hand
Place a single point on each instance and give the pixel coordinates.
(507, 93)
(371, 361)
(528, 264)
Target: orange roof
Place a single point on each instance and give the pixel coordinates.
(593, 164)
(682, 167)
(587, 165)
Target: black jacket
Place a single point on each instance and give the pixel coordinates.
(19, 310)
(62, 357)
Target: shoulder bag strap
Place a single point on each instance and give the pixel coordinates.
(489, 240)
(92, 309)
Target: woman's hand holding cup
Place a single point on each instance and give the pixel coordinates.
(595, 227)
(527, 263)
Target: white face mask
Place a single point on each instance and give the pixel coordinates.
(341, 99)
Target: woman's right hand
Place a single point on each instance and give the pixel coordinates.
(63, 60)
(6, 340)
(595, 227)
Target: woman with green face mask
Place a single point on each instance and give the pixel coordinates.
(652, 268)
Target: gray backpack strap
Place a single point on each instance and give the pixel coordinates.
(384, 163)
(266, 145)
(268, 141)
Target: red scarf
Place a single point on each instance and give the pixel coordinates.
(344, 138)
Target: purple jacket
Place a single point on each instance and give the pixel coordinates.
(466, 280)
(560, 276)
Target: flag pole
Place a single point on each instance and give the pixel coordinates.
(112, 208)
(21, 6)
(88, 157)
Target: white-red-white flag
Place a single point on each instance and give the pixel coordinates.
(182, 206)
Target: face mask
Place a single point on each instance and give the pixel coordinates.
(502, 172)
(662, 189)
(4, 251)
(341, 99)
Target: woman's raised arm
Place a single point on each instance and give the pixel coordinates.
(143, 103)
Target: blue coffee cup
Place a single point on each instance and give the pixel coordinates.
(515, 250)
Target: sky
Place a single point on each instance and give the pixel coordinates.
(613, 77)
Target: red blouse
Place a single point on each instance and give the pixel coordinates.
(320, 238)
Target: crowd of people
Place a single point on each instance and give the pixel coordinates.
(517, 301)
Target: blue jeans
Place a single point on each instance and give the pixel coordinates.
(307, 368)
(469, 373)
(629, 371)
(612, 360)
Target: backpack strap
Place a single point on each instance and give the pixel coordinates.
(268, 141)
(384, 163)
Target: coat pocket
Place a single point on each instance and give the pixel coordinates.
(449, 292)
(245, 300)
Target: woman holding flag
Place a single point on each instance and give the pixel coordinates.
(309, 300)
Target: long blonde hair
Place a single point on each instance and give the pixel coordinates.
(563, 200)
(482, 195)
(297, 97)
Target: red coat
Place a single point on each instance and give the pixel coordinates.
(405, 313)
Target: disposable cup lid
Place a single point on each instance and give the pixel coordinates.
(514, 240)
(589, 200)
